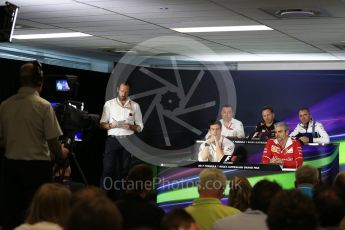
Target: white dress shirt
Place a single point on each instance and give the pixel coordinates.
(128, 113)
(235, 129)
(226, 145)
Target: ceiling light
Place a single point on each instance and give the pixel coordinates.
(52, 35)
(296, 13)
(267, 57)
(221, 29)
(125, 51)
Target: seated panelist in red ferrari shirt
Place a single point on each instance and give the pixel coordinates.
(283, 150)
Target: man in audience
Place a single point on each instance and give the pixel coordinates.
(255, 216)
(208, 208)
(291, 209)
(339, 184)
(87, 193)
(29, 130)
(231, 127)
(307, 178)
(330, 207)
(137, 211)
(179, 219)
(264, 130)
(216, 145)
(308, 130)
(283, 150)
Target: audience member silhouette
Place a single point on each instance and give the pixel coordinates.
(136, 208)
(255, 216)
(240, 192)
(98, 213)
(208, 208)
(291, 209)
(49, 208)
(178, 219)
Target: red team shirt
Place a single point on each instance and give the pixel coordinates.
(291, 155)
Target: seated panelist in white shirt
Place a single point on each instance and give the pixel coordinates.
(216, 145)
(308, 130)
(231, 127)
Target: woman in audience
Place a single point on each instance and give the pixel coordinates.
(240, 191)
(49, 208)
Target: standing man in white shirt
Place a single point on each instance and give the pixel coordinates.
(308, 130)
(121, 118)
(231, 127)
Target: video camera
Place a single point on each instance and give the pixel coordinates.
(74, 120)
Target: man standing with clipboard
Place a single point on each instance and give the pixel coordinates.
(121, 118)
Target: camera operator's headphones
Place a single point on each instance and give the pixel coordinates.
(37, 76)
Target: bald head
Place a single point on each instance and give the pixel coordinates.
(27, 71)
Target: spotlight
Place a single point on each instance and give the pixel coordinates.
(8, 16)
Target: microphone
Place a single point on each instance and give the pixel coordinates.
(305, 126)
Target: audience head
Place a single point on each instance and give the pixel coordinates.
(330, 206)
(240, 192)
(51, 203)
(179, 219)
(304, 115)
(290, 209)
(267, 114)
(281, 131)
(307, 174)
(339, 183)
(227, 113)
(98, 213)
(140, 180)
(262, 194)
(212, 183)
(86, 193)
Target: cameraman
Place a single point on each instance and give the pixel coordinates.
(29, 131)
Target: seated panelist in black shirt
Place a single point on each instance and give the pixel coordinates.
(264, 130)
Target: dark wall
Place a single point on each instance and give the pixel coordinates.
(9, 78)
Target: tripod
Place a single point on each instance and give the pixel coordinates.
(70, 144)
